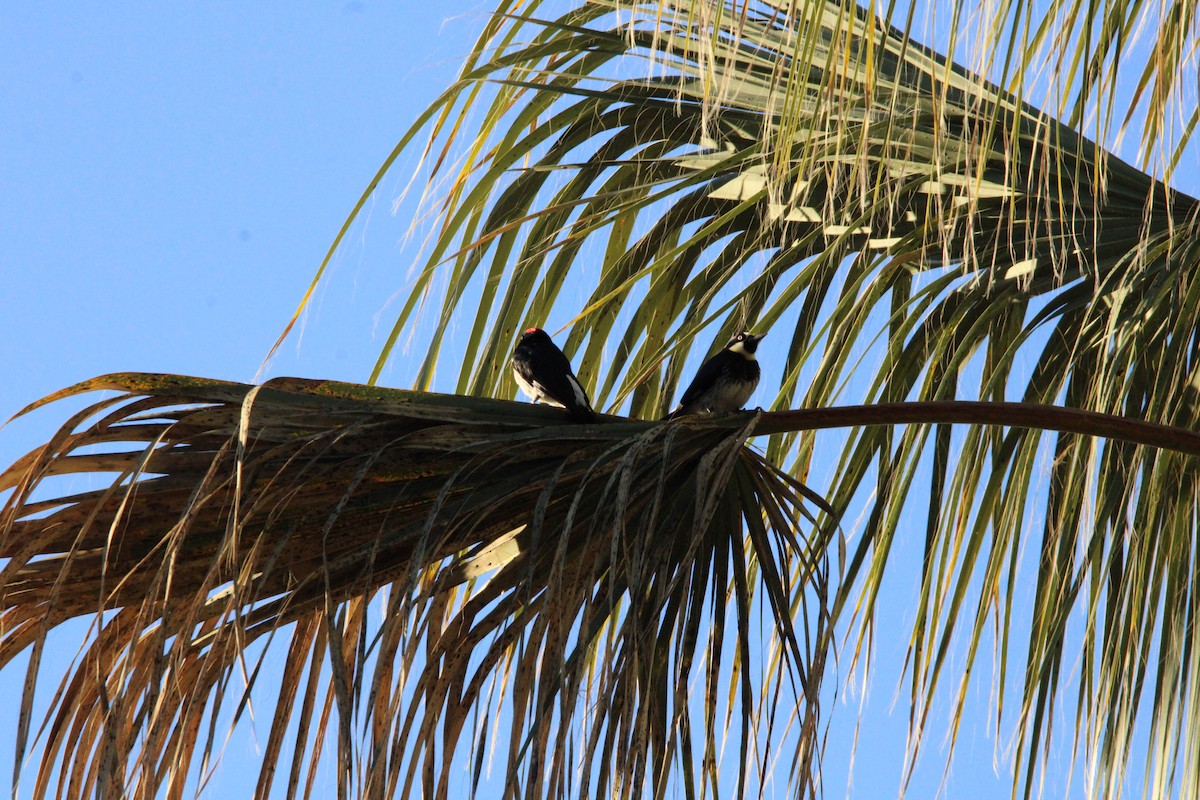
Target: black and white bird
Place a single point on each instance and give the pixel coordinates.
(724, 382)
(544, 373)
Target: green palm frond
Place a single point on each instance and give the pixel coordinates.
(793, 134)
(911, 231)
(626, 560)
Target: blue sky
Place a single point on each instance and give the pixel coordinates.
(171, 175)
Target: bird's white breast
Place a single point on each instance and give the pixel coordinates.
(534, 390)
(740, 349)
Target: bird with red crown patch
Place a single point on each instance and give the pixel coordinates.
(544, 373)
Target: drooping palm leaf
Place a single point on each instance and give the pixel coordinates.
(917, 232)
(627, 560)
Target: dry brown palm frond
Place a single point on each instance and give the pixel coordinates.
(630, 559)
(586, 602)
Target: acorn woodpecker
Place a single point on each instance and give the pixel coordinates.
(725, 382)
(543, 373)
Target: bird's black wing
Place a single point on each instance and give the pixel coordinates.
(708, 374)
(562, 385)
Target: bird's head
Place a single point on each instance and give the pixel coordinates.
(744, 343)
(534, 335)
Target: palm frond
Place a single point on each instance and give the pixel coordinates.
(791, 133)
(626, 560)
(920, 233)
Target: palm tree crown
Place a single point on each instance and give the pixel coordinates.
(588, 599)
